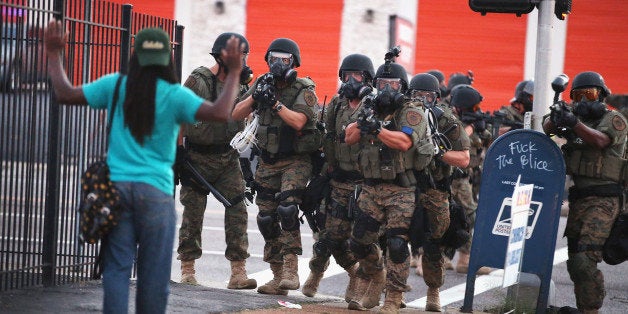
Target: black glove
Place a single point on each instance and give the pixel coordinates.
(180, 156)
(479, 126)
(265, 95)
(370, 125)
(563, 118)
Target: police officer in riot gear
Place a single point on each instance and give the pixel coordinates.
(286, 136)
(519, 104)
(595, 136)
(453, 151)
(392, 135)
(456, 79)
(442, 86)
(466, 100)
(356, 73)
(207, 146)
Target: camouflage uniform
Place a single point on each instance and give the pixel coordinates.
(594, 204)
(285, 166)
(342, 159)
(512, 114)
(435, 200)
(462, 188)
(209, 151)
(388, 199)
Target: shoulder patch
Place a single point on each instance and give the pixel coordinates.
(190, 82)
(310, 97)
(618, 123)
(413, 117)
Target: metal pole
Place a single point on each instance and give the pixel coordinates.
(178, 50)
(542, 79)
(125, 43)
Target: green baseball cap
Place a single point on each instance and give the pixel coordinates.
(152, 46)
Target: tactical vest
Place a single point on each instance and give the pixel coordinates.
(337, 152)
(277, 138)
(512, 114)
(584, 160)
(378, 161)
(212, 133)
(439, 169)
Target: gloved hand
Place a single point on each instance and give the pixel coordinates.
(265, 95)
(249, 193)
(181, 155)
(479, 126)
(370, 125)
(563, 118)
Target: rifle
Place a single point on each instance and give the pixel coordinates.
(558, 107)
(189, 174)
(320, 124)
(496, 120)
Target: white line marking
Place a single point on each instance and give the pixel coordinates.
(304, 271)
(482, 284)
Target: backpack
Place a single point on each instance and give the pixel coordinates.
(615, 249)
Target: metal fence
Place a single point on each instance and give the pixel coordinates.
(45, 146)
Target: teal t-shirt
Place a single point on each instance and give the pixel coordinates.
(152, 162)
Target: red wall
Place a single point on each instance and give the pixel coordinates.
(597, 41)
(161, 8)
(452, 38)
(314, 25)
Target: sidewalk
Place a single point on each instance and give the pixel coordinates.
(86, 297)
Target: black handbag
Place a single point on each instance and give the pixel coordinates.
(99, 207)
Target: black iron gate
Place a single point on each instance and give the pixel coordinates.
(45, 146)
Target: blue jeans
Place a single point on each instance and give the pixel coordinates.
(146, 227)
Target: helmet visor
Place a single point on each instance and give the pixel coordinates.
(393, 83)
(284, 57)
(585, 94)
(358, 76)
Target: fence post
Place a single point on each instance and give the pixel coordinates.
(49, 236)
(125, 43)
(178, 52)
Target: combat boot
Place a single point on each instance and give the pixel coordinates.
(432, 304)
(187, 272)
(419, 265)
(462, 266)
(290, 275)
(272, 287)
(392, 302)
(374, 292)
(361, 286)
(238, 279)
(311, 284)
(353, 281)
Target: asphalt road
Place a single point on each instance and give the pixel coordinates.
(213, 270)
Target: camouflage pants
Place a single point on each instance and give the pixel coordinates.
(223, 172)
(589, 223)
(337, 230)
(436, 205)
(462, 193)
(391, 206)
(285, 175)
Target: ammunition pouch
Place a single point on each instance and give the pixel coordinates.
(403, 179)
(346, 176)
(595, 164)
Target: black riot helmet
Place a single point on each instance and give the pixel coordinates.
(425, 82)
(438, 74)
(458, 79)
(221, 42)
(286, 45)
(590, 79)
(357, 62)
(246, 76)
(393, 70)
(356, 86)
(524, 94)
(465, 98)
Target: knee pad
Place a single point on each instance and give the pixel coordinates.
(268, 226)
(322, 248)
(397, 249)
(360, 251)
(289, 217)
(432, 249)
(364, 223)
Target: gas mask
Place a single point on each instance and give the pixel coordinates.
(589, 110)
(352, 89)
(280, 65)
(388, 100)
